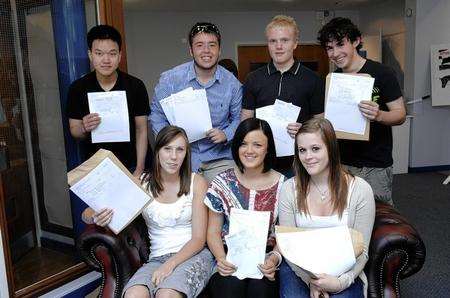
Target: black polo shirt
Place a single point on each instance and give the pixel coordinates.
(137, 102)
(299, 85)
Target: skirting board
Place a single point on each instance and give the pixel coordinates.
(429, 169)
(78, 287)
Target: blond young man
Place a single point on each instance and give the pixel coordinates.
(285, 79)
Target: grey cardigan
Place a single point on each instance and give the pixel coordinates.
(361, 216)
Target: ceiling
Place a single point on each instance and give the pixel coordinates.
(246, 5)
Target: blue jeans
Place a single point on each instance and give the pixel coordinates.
(292, 286)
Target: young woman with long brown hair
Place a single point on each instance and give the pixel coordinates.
(179, 265)
(323, 195)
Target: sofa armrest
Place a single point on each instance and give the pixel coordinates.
(117, 257)
(396, 251)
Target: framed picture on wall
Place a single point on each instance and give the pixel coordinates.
(440, 74)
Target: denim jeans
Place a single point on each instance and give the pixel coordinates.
(292, 286)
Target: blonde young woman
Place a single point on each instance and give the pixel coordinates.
(323, 195)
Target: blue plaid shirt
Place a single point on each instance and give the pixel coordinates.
(224, 93)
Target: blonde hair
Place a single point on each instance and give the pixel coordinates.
(283, 21)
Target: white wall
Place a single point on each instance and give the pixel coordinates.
(430, 134)
(387, 16)
(387, 20)
(155, 39)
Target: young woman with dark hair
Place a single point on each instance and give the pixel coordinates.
(323, 195)
(251, 185)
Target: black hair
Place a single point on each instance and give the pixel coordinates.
(337, 29)
(204, 27)
(242, 130)
(229, 65)
(103, 32)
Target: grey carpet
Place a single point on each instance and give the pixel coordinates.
(425, 202)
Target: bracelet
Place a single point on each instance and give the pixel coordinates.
(280, 258)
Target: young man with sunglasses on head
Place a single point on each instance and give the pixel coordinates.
(371, 160)
(104, 43)
(285, 79)
(212, 154)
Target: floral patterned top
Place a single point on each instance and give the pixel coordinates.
(225, 192)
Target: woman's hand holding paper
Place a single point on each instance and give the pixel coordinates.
(327, 283)
(315, 292)
(269, 267)
(103, 217)
(224, 267)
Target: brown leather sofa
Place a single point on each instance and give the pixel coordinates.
(396, 251)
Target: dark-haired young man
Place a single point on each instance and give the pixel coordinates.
(371, 160)
(104, 43)
(212, 154)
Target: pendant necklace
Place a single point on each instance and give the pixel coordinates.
(322, 193)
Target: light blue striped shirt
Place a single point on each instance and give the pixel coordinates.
(224, 93)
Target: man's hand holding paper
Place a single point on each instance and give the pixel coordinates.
(216, 135)
(293, 128)
(369, 109)
(90, 122)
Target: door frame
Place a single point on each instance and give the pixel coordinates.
(264, 44)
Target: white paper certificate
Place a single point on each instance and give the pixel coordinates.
(113, 110)
(327, 250)
(107, 186)
(189, 109)
(279, 115)
(344, 93)
(246, 241)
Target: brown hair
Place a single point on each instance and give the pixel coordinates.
(337, 181)
(153, 178)
(283, 21)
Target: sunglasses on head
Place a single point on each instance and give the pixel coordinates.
(205, 28)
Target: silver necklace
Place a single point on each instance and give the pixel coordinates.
(322, 193)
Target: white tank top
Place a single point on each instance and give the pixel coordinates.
(169, 224)
(316, 221)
